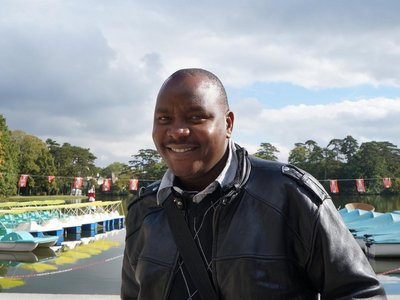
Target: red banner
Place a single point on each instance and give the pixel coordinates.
(23, 179)
(77, 183)
(387, 183)
(51, 179)
(334, 186)
(133, 184)
(106, 185)
(360, 185)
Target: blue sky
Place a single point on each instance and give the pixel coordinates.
(281, 94)
(88, 72)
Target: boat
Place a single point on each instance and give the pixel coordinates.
(358, 215)
(378, 219)
(360, 205)
(18, 242)
(23, 241)
(364, 224)
(390, 227)
(387, 245)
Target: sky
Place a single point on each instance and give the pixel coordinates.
(88, 72)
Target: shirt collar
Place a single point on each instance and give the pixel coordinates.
(224, 178)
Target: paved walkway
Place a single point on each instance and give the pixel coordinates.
(84, 297)
(391, 285)
(29, 296)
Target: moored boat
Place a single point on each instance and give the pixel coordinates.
(23, 241)
(387, 245)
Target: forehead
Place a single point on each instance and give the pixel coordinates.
(189, 90)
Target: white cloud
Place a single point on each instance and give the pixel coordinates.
(87, 72)
(375, 118)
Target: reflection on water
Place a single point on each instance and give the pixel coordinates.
(382, 203)
(386, 266)
(93, 267)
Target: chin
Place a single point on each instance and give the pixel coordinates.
(187, 173)
(184, 173)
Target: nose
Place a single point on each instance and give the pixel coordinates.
(178, 131)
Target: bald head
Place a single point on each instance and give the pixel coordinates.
(210, 84)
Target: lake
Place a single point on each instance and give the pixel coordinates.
(95, 268)
(382, 203)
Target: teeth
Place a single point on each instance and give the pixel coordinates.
(181, 150)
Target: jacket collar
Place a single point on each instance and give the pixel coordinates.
(229, 179)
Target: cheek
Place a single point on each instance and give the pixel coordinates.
(156, 134)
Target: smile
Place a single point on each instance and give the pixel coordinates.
(178, 150)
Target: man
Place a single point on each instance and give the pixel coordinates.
(264, 230)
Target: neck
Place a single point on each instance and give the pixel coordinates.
(199, 184)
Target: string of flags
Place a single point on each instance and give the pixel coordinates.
(133, 184)
(360, 186)
(78, 182)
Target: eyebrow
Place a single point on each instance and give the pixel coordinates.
(192, 108)
(161, 110)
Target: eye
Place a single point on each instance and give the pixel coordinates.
(197, 118)
(163, 119)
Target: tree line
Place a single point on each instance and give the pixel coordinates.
(342, 159)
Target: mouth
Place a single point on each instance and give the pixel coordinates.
(180, 150)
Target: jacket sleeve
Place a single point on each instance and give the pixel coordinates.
(129, 286)
(337, 264)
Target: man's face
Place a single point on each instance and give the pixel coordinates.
(191, 127)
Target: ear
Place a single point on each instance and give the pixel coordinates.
(229, 118)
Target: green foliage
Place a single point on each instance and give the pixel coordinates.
(71, 161)
(343, 159)
(308, 156)
(115, 168)
(35, 160)
(8, 161)
(147, 164)
(121, 173)
(267, 151)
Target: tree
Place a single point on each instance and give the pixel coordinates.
(308, 156)
(147, 164)
(298, 155)
(375, 160)
(335, 149)
(267, 151)
(71, 161)
(334, 159)
(34, 160)
(8, 161)
(121, 173)
(349, 147)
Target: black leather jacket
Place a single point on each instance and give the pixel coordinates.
(276, 236)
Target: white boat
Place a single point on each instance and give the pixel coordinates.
(387, 245)
(18, 242)
(22, 241)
